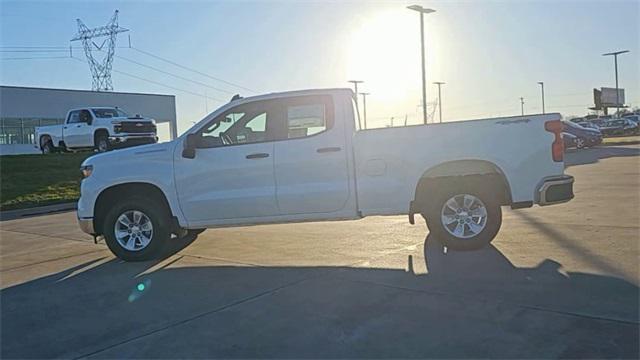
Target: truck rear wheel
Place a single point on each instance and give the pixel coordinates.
(136, 229)
(47, 148)
(464, 216)
(46, 145)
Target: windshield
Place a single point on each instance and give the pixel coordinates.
(109, 113)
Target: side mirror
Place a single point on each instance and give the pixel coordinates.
(190, 145)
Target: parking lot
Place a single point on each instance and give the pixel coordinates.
(559, 281)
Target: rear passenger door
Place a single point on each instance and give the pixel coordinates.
(311, 168)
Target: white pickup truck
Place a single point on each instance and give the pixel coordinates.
(301, 156)
(100, 128)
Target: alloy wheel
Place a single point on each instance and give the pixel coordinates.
(133, 230)
(464, 216)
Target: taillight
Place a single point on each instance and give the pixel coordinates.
(557, 148)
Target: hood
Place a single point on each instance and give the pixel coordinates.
(135, 153)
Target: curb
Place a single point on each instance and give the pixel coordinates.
(632, 142)
(36, 211)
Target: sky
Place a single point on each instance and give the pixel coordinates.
(489, 53)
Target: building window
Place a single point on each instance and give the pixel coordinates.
(22, 130)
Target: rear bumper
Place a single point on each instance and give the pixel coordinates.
(556, 190)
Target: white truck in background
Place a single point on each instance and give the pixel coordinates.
(302, 156)
(100, 128)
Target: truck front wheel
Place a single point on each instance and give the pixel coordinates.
(136, 229)
(464, 217)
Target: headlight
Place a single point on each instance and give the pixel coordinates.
(86, 171)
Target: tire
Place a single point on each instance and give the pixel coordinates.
(148, 245)
(102, 143)
(47, 147)
(478, 196)
(580, 143)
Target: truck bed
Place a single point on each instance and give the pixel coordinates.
(390, 161)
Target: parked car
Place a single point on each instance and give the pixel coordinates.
(634, 118)
(569, 140)
(598, 122)
(300, 156)
(619, 127)
(585, 137)
(100, 128)
(589, 125)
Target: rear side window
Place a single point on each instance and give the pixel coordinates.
(305, 120)
(305, 116)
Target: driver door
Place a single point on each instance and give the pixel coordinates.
(77, 130)
(232, 174)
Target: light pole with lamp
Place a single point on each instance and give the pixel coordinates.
(615, 60)
(364, 107)
(422, 11)
(439, 83)
(541, 83)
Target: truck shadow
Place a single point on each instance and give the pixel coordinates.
(592, 155)
(468, 304)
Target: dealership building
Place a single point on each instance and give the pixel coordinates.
(22, 109)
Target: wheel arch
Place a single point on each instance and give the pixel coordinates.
(454, 170)
(98, 132)
(112, 194)
(42, 137)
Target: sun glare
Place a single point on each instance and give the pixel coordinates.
(384, 51)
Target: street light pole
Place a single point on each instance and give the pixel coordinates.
(522, 105)
(439, 83)
(364, 107)
(615, 60)
(422, 11)
(355, 85)
(542, 88)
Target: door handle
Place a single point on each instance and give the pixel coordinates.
(78, 125)
(257, 156)
(328, 149)
(64, 127)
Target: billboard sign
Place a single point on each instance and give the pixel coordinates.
(608, 97)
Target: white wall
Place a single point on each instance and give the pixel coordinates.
(25, 102)
(17, 149)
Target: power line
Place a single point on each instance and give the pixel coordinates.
(192, 70)
(32, 51)
(34, 58)
(66, 48)
(174, 75)
(157, 83)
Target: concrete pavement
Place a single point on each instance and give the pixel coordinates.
(559, 281)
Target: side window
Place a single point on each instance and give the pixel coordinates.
(305, 120)
(85, 116)
(74, 117)
(245, 124)
(304, 116)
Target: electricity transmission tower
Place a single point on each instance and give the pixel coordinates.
(100, 70)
